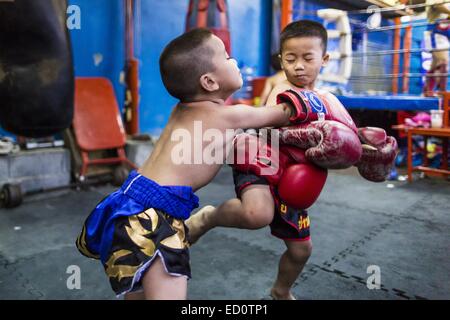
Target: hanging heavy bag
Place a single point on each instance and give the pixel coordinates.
(36, 69)
(211, 14)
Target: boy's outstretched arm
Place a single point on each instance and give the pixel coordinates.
(279, 88)
(244, 116)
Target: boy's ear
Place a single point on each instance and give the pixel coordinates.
(208, 82)
(325, 60)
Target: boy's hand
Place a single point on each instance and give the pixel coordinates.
(305, 106)
(379, 152)
(299, 108)
(328, 144)
(310, 106)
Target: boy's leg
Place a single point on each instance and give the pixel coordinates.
(441, 67)
(291, 265)
(439, 64)
(135, 296)
(159, 285)
(254, 210)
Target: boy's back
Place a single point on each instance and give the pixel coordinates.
(179, 157)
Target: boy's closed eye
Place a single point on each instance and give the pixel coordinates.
(308, 57)
(290, 59)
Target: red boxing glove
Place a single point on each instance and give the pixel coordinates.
(307, 105)
(379, 152)
(328, 144)
(311, 106)
(301, 182)
(302, 107)
(253, 155)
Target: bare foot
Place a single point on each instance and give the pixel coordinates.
(277, 296)
(199, 223)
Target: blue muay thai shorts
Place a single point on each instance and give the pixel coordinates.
(132, 226)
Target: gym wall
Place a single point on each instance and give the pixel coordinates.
(99, 45)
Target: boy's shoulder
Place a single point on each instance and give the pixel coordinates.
(324, 92)
(199, 105)
(329, 96)
(277, 89)
(282, 86)
(206, 111)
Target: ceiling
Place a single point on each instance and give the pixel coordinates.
(364, 4)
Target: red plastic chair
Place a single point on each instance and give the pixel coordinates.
(97, 123)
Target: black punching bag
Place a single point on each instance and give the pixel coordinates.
(36, 69)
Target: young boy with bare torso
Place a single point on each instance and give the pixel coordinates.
(138, 232)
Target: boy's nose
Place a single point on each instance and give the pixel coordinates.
(299, 66)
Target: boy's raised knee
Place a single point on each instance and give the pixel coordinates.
(257, 217)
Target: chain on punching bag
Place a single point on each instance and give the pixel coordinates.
(211, 14)
(36, 70)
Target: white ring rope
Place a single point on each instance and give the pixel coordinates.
(344, 55)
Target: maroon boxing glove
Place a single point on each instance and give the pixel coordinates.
(379, 152)
(328, 144)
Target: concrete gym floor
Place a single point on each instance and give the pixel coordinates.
(404, 229)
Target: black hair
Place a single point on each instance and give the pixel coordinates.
(417, 9)
(304, 28)
(275, 62)
(184, 60)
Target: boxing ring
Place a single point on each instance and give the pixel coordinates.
(390, 61)
(390, 102)
(409, 103)
(435, 95)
